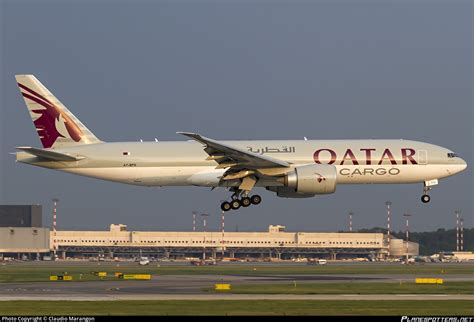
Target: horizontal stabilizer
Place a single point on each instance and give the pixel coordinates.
(50, 155)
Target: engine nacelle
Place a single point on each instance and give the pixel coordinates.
(312, 179)
(285, 192)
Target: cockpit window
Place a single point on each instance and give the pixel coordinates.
(452, 155)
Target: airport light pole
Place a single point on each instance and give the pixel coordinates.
(462, 235)
(407, 228)
(194, 220)
(222, 225)
(55, 205)
(204, 222)
(223, 232)
(457, 212)
(388, 204)
(350, 221)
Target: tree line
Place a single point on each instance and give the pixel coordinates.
(431, 242)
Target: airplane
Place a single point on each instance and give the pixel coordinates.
(289, 168)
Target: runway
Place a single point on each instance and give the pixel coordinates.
(234, 297)
(197, 287)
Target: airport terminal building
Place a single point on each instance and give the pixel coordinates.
(275, 243)
(21, 236)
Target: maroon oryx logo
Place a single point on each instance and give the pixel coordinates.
(320, 178)
(46, 122)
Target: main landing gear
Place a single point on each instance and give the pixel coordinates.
(237, 202)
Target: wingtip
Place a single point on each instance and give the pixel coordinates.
(190, 134)
(21, 76)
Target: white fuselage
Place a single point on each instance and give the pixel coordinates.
(184, 163)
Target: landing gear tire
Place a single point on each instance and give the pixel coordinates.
(245, 202)
(255, 199)
(235, 204)
(425, 198)
(225, 206)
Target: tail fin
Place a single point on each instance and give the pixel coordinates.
(56, 125)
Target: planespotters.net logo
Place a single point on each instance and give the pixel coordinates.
(437, 319)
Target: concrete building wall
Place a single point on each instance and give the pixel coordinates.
(24, 240)
(228, 239)
(349, 240)
(90, 238)
(463, 256)
(398, 248)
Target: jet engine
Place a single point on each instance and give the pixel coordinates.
(307, 181)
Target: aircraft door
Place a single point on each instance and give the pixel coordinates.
(422, 157)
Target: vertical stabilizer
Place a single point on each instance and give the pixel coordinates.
(55, 124)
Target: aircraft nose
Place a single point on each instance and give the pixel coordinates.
(457, 166)
(463, 165)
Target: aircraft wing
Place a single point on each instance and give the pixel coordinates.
(49, 155)
(233, 157)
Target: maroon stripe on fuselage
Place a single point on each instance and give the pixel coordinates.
(34, 93)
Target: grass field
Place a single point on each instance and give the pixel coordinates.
(266, 307)
(354, 288)
(32, 273)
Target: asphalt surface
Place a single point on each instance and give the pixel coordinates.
(213, 297)
(193, 287)
(167, 284)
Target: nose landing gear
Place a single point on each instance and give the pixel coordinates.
(425, 198)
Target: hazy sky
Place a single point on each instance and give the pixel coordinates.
(241, 70)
